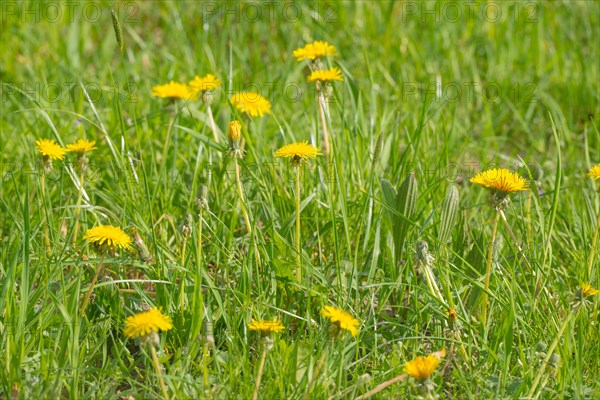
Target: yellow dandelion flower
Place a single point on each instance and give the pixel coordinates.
(208, 82)
(251, 103)
(451, 313)
(173, 90)
(144, 323)
(266, 327)
(326, 75)
(501, 180)
(298, 151)
(50, 149)
(421, 368)
(342, 319)
(595, 172)
(314, 50)
(234, 131)
(588, 290)
(81, 146)
(110, 236)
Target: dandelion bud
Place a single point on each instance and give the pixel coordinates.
(554, 360)
(234, 131)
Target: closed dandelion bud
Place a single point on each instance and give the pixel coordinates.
(234, 131)
(554, 360)
(117, 28)
(541, 347)
(202, 201)
(406, 204)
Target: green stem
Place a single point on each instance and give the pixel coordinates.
(326, 143)
(211, 121)
(488, 268)
(158, 372)
(86, 299)
(44, 214)
(315, 376)
(261, 367)
(240, 190)
(78, 208)
(298, 257)
(549, 353)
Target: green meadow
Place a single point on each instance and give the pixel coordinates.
(494, 287)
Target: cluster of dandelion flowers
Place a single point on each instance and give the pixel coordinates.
(108, 237)
(81, 146)
(266, 327)
(145, 323)
(298, 152)
(421, 368)
(50, 150)
(325, 75)
(174, 90)
(501, 180)
(315, 50)
(341, 319)
(251, 103)
(595, 172)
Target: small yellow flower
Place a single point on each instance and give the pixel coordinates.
(144, 323)
(81, 146)
(266, 327)
(298, 151)
(588, 290)
(50, 149)
(234, 131)
(451, 313)
(174, 90)
(314, 50)
(595, 172)
(501, 180)
(326, 75)
(341, 319)
(111, 237)
(251, 103)
(208, 82)
(421, 368)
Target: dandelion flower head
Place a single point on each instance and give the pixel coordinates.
(208, 82)
(81, 146)
(421, 368)
(314, 50)
(108, 236)
(500, 180)
(588, 290)
(326, 75)
(144, 323)
(595, 172)
(266, 327)
(173, 90)
(341, 319)
(298, 151)
(251, 103)
(51, 150)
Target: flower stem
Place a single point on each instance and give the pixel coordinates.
(211, 121)
(78, 208)
(382, 386)
(488, 268)
(261, 366)
(549, 353)
(298, 257)
(158, 372)
(241, 194)
(315, 376)
(44, 214)
(86, 299)
(326, 146)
